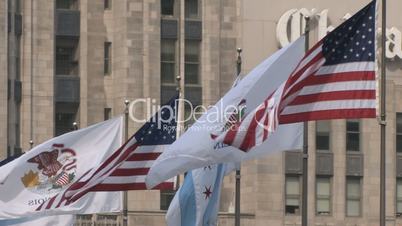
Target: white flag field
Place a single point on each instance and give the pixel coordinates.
(196, 148)
(49, 168)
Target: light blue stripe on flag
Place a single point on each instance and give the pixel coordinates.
(187, 201)
(211, 213)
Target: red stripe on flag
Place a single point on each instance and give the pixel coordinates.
(331, 96)
(249, 139)
(132, 186)
(297, 74)
(328, 114)
(130, 172)
(331, 78)
(144, 156)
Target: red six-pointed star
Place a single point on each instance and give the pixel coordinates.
(207, 192)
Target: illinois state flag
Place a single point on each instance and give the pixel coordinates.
(50, 167)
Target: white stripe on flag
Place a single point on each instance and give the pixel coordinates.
(346, 67)
(124, 179)
(136, 164)
(150, 148)
(338, 86)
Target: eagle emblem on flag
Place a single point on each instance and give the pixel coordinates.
(52, 170)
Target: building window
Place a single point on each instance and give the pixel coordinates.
(83, 220)
(65, 61)
(353, 196)
(353, 135)
(106, 220)
(192, 62)
(166, 197)
(191, 9)
(292, 195)
(168, 58)
(107, 4)
(322, 135)
(167, 7)
(107, 58)
(399, 197)
(64, 123)
(66, 4)
(399, 132)
(107, 113)
(323, 195)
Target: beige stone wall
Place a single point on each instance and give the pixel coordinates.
(43, 72)
(3, 79)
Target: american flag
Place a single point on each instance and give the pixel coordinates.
(335, 79)
(128, 166)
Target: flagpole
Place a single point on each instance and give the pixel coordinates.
(305, 143)
(125, 194)
(237, 189)
(383, 115)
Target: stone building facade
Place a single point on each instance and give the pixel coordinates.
(68, 61)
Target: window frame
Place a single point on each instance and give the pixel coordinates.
(398, 114)
(397, 199)
(107, 4)
(329, 198)
(167, 193)
(175, 9)
(299, 196)
(353, 132)
(107, 58)
(317, 134)
(173, 62)
(197, 62)
(186, 15)
(360, 198)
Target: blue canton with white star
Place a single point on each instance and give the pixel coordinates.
(352, 41)
(159, 132)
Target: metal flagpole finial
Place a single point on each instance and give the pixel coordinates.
(239, 50)
(178, 79)
(75, 125)
(126, 103)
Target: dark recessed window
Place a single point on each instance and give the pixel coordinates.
(107, 113)
(322, 135)
(167, 7)
(168, 61)
(191, 9)
(399, 132)
(108, 58)
(65, 62)
(66, 4)
(107, 4)
(192, 62)
(64, 123)
(353, 135)
(166, 197)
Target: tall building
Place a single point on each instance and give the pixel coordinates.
(68, 61)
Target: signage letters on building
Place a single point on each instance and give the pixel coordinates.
(291, 25)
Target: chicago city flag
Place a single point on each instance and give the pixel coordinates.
(197, 201)
(49, 168)
(335, 79)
